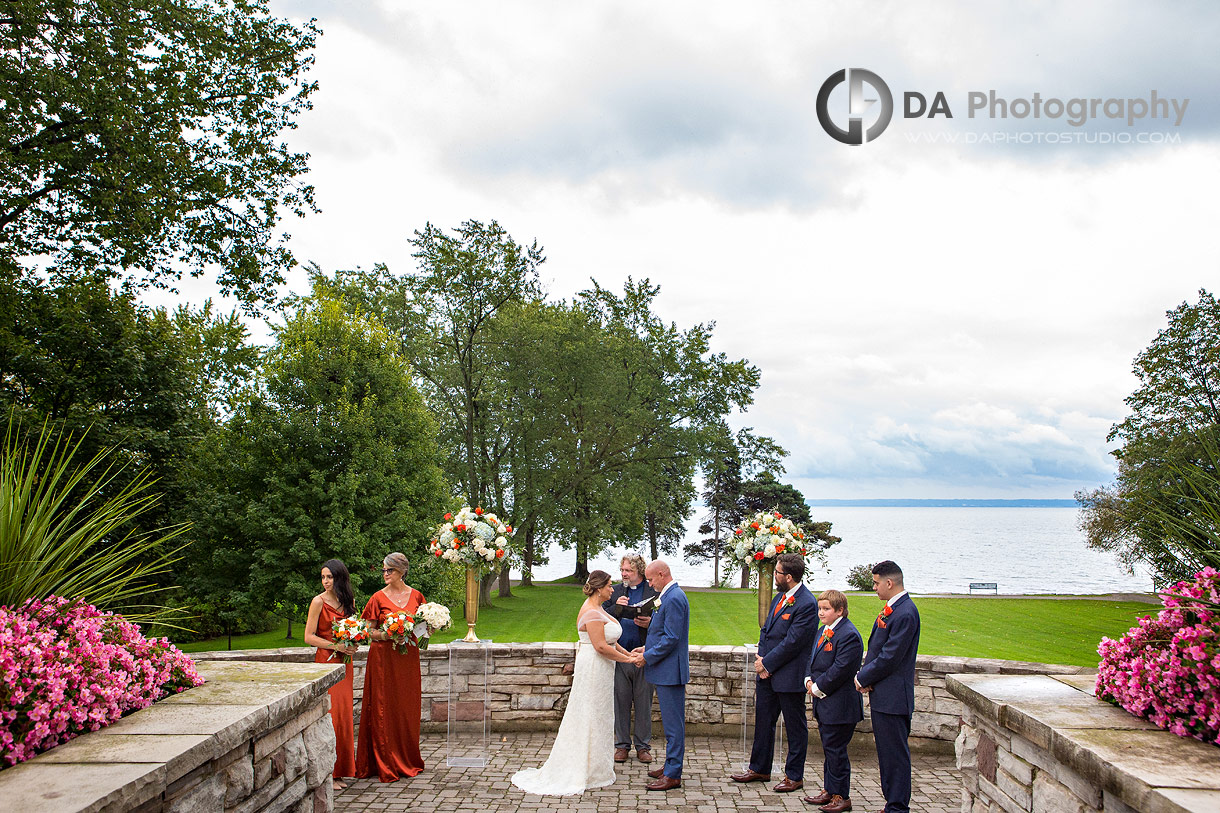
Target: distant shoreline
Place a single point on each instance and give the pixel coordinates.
(946, 503)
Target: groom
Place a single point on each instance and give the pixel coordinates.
(667, 666)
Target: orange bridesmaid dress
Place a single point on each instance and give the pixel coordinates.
(340, 696)
(389, 714)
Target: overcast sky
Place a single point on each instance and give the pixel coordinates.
(931, 319)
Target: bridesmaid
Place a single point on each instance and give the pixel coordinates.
(334, 602)
(389, 714)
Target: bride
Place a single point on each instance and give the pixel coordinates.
(582, 756)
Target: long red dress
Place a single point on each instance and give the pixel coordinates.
(389, 715)
(340, 696)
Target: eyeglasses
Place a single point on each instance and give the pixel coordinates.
(779, 572)
(385, 570)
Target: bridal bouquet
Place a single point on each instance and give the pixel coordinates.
(399, 626)
(471, 537)
(350, 631)
(764, 536)
(429, 618)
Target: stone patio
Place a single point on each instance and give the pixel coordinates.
(705, 784)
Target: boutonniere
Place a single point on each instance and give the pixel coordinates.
(788, 602)
(830, 633)
(656, 603)
(881, 616)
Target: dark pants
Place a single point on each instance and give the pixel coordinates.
(836, 767)
(672, 700)
(631, 689)
(894, 757)
(768, 705)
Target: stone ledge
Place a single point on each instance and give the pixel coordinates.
(1123, 756)
(136, 761)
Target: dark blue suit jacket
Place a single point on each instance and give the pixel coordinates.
(834, 668)
(667, 651)
(786, 642)
(889, 666)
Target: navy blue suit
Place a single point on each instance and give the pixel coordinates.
(833, 669)
(889, 668)
(667, 667)
(785, 645)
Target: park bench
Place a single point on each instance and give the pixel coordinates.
(992, 586)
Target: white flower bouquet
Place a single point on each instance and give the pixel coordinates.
(471, 537)
(429, 618)
(764, 536)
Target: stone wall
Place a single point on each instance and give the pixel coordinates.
(255, 737)
(529, 685)
(1045, 743)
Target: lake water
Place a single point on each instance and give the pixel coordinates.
(940, 550)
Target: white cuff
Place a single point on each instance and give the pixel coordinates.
(818, 693)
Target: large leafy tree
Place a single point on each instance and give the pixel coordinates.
(1146, 514)
(93, 364)
(334, 456)
(144, 138)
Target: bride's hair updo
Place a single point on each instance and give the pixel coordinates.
(597, 580)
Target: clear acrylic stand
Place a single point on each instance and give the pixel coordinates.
(469, 667)
(780, 753)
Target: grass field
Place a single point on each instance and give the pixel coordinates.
(1028, 629)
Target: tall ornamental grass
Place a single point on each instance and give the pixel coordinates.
(66, 529)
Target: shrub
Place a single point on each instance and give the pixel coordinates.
(67, 668)
(860, 577)
(1167, 669)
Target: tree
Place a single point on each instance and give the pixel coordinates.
(334, 456)
(144, 139)
(90, 363)
(1144, 515)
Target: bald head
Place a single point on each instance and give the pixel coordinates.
(658, 575)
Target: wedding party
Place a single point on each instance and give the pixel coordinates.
(810, 665)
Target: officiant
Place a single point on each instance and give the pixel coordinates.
(631, 604)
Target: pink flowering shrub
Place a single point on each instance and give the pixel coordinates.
(1167, 669)
(67, 668)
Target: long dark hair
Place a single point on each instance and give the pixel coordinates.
(342, 585)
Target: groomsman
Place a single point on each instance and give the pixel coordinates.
(785, 646)
(888, 677)
(837, 706)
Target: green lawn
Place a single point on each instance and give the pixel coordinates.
(1046, 630)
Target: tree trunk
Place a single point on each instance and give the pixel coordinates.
(745, 577)
(652, 535)
(581, 574)
(288, 637)
(506, 587)
(527, 578)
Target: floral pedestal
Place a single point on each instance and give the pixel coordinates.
(472, 605)
(766, 590)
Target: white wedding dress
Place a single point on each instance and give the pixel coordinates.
(582, 756)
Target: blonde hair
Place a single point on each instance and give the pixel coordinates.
(597, 580)
(837, 600)
(636, 561)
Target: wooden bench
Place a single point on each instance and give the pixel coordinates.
(992, 586)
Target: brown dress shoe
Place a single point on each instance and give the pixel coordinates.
(750, 776)
(664, 783)
(643, 756)
(788, 785)
(657, 773)
(620, 754)
(823, 797)
(837, 804)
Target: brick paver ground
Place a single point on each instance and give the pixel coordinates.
(706, 786)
